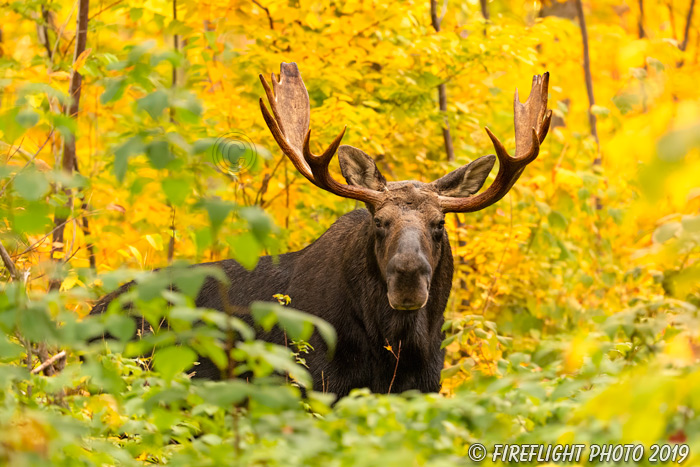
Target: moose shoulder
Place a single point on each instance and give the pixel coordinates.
(382, 275)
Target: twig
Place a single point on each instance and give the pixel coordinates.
(397, 356)
(43, 31)
(9, 264)
(485, 10)
(171, 242)
(688, 21)
(33, 245)
(640, 22)
(60, 32)
(267, 12)
(105, 9)
(27, 155)
(86, 234)
(49, 362)
(31, 159)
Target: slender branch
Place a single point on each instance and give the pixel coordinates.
(640, 20)
(31, 159)
(589, 79)
(397, 356)
(171, 243)
(43, 31)
(70, 42)
(117, 2)
(688, 22)
(35, 244)
(267, 12)
(86, 233)
(176, 46)
(60, 32)
(49, 362)
(485, 10)
(9, 264)
(27, 155)
(442, 93)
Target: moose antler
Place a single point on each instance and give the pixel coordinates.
(289, 102)
(531, 125)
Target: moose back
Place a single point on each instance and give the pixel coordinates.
(382, 275)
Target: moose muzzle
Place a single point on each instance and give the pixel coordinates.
(408, 274)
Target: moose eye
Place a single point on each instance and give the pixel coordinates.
(378, 223)
(440, 225)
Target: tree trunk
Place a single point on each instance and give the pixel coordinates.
(69, 162)
(589, 78)
(442, 94)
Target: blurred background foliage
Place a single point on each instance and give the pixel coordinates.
(574, 309)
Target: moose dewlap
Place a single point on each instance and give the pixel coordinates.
(382, 275)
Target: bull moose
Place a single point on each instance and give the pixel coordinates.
(380, 275)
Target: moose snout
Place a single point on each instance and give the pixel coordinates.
(408, 281)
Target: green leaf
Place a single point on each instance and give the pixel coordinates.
(189, 281)
(27, 118)
(120, 326)
(224, 393)
(691, 223)
(260, 223)
(36, 325)
(10, 127)
(173, 360)
(656, 64)
(159, 154)
(176, 190)
(246, 249)
(666, 232)
(114, 90)
(218, 211)
(153, 103)
(31, 184)
(32, 219)
(600, 111)
(292, 321)
(9, 350)
(65, 125)
(138, 51)
(674, 145)
(131, 147)
(187, 108)
(557, 220)
(625, 102)
(152, 285)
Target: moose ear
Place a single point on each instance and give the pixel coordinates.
(466, 180)
(359, 169)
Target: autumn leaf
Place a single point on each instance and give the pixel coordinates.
(80, 61)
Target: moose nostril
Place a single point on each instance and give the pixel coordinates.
(409, 266)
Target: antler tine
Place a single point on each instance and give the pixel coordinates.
(532, 121)
(289, 125)
(319, 167)
(291, 116)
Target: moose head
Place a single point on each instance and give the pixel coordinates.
(407, 216)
